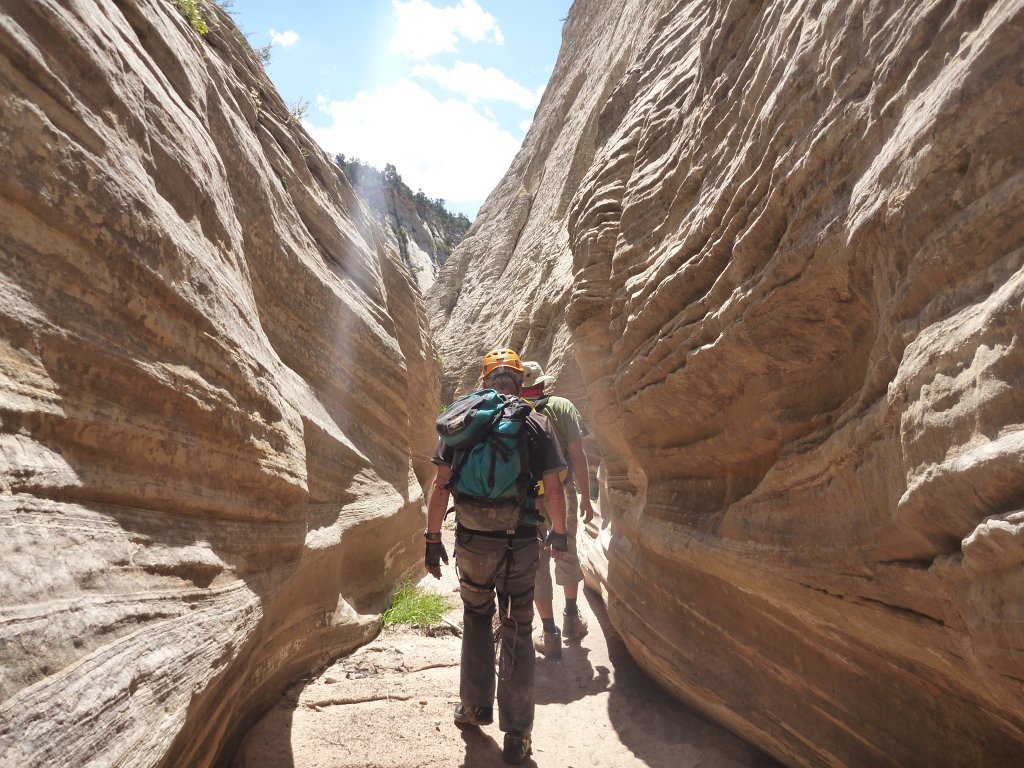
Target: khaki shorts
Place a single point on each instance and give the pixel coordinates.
(567, 567)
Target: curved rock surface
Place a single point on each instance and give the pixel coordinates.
(782, 241)
(423, 232)
(214, 375)
(509, 281)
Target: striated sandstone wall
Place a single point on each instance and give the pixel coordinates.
(509, 281)
(415, 228)
(795, 277)
(214, 375)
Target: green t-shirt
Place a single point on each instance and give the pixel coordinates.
(565, 421)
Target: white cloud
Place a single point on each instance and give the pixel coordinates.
(284, 39)
(477, 83)
(446, 147)
(423, 30)
(524, 125)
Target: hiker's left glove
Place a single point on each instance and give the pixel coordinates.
(559, 542)
(435, 553)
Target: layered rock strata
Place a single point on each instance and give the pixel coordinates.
(796, 290)
(509, 281)
(214, 375)
(423, 232)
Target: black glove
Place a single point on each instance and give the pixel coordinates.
(435, 554)
(557, 541)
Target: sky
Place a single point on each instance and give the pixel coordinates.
(444, 90)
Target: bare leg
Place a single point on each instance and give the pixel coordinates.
(545, 609)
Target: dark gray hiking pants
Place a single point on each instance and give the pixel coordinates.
(481, 561)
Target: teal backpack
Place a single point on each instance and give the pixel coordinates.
(491, 465)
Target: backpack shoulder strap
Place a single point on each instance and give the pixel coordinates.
(524, 483)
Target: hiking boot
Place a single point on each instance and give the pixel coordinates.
(574, 626)
(549, 644)
(473, 716)
(516, 749)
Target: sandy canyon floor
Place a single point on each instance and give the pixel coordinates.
(390, 704)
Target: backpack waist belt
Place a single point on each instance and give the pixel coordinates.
(521, 532)
(487, 514)
(465, 498)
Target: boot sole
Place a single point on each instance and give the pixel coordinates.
(471, 722)
(554, 654)
(516, 759)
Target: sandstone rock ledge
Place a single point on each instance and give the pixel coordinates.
(792, 281)
(214, 375)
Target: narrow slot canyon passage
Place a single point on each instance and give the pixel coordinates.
(773, 254)
(390, 704)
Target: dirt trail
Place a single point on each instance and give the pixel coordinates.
(390, 704)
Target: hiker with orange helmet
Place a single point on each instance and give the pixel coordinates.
(496, 541)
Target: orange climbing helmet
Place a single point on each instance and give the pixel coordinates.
(501, 358)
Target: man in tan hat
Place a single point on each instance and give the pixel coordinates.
(569, 430)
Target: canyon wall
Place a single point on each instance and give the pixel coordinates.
(775, 250)
(509, 281)
(422, 230)
(214, 379)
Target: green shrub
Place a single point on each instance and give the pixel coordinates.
(190, 10)
(414, 605)
(297, 111)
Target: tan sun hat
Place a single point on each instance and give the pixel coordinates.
(534, 374)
